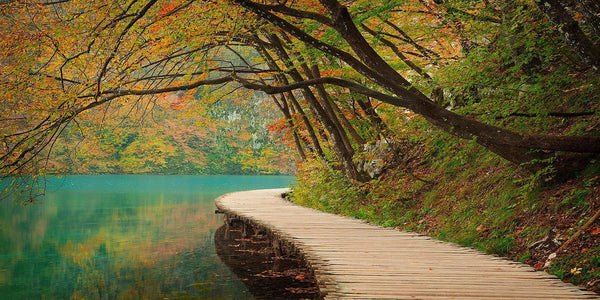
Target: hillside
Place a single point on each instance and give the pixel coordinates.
(177, 135)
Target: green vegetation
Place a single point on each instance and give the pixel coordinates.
(171, 140)
(579, 268)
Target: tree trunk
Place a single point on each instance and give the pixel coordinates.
(323, 99)
(513, 146)
(571, 32)
(369, 111)
(285, 109)
(308, 125)
(326, 102)
(331, 107)
(338, 138)
(283, 80)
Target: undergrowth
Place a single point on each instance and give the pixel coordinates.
(459, 192)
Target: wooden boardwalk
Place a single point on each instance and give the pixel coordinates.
(356, 260)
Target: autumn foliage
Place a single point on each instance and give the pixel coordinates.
(387, 102)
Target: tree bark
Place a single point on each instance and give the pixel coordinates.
(331, 107)
(324, 101)
(571, 32)
(308, 126)
(283, 80)
(369, 111)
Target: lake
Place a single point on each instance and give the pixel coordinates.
(121, 237)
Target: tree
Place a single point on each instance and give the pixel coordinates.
(510, 145)
(571, 31)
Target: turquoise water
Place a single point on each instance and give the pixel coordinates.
(121, 237)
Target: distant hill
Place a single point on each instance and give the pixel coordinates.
(176, 136)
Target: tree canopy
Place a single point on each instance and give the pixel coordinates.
(519, 78)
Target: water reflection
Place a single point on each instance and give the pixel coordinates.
(269, 269)
(120, 237)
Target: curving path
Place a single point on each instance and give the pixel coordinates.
(353, 259)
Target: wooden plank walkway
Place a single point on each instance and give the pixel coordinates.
(356, 260)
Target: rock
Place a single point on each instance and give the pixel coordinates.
(549, 260)
(548, 242)
(372, 167)
(376, 154)
(559, 239)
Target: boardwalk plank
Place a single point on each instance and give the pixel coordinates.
(353, 259)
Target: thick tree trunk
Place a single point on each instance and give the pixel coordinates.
(571, 32)
(510, 145)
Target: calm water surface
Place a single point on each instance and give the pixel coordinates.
(121, 237)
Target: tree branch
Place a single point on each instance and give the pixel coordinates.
(324, 80)
(281, 8)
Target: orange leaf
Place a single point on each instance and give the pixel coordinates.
(167, 8)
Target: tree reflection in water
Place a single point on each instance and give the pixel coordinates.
(268, 269)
